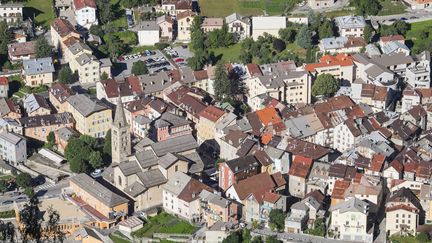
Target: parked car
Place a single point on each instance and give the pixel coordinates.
(97, 173)
(178, 60)
(7, 202)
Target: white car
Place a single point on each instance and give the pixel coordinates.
(97, 173)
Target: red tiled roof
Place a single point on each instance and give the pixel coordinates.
(271, 197)
(339, 189)
(266, 138)
(254, 70)
(269, 116)
(403, 207)
(212, 113)
(62, 27)
(191, 191)
(300, 166)
(377, 162)
(330, 60)
(4, 81)
(22, 49)
(79, 4)
(256, 185)
(397, 166)
(185, 14)
(201, 74)
(392, 38)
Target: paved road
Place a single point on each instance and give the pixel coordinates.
(48, 189)
(305, 8)
(411, 16)
(290, 237)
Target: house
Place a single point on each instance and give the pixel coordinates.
(184, 23)
(230, 144)
(320, 4)
(304, 211)
(235, 170)
(298, 174)
(350, 25)
(269, 25)
(419, 4)
(340, 66)
(342, 44)
(38, 127)
(206, 126)
(13, 148)
(148, 33)
(4, 87)
(8, 109)
(257, 206)
(239, 25)
(106, 205)
(58, 94)
(61, 30)
(350, 132)
(128, 89)
(391, 38)
(425, 198)
(215, 208)
(36, 105)
(62, 137)
(18, 52)
(11, 12)
(38, 71)
(85, 12)
(166, 24)
(88, 235)
(92, 117)
(174, 7)
(210, 24)
(169, 126)
(395, 47)
(350, 220)
(375, 96)
(181, 196)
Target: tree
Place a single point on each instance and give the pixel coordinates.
(3, 186)
(66, 76)
(279, 45)
(115, 46)
(304, 38)
(5, 38)
(106, 11)
(24, 180)
(29, 192)
(288, 34)
(318, 229)
(422, 237)
(7, 232)
(197, 35)
(234, 237)
(401, 27)
(245, 56)
(107, 144)
(139, 68)
(222, 84)
(76, 148)
(104, 76)
(96, 30)
(96, 160)
(326, 29)
(325, 85)
(246, 235)
(43, 48)
(257, 239)
(272, 239)
(277, 219)
(52, 227)
(50, 140)
(367, 7)
(31, 221)
(199, 60)
(78, 165)
(368, 33)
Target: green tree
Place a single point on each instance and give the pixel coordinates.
(76, 148)
(245, 56)
(234, 237)
(222, 84)
(5, 38)
(272, 239)
(106, 11)
(279, 45)
(318, 229)
(24, 180)
(115, 46)
(422, 237)
(197, 35)
(257, 239)
(246, 235)
(304, 38)
(368, 33)
(96, 30)
(325, 85)
(367, 7)
(199, 60)
(3, 186)
(66, 76)
(89, 141)
(139, 68)
(29, 192)
(52, 226)
(107, 144)
(7, 231)
(288, 34)
(277, 219)
(31, 221)
(43, 48)
(104, 76)
(326, 29)
(95, 160)
(50, 140)
(78, 165)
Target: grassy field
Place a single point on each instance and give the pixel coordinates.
(41, 9)
(117, 239)
(337, 13)
(230, 54)
(165, 223)
(417, 28)
(390, 7)
(223, 8)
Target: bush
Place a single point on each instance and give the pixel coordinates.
(7, 214)
(161, 45)
(279, 45)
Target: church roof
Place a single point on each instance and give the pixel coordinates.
(119, 118)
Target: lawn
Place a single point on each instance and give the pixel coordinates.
(42, 9)
(128, 37)
(229, 54)
(7, 214)
(165, 223)
(117, 239)
(223, 8)
(337, 13)
(390, 7)
(417, 28)
(141, 49)
(405, 239)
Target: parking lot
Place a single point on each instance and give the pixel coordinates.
(182, 55)
(156, 62)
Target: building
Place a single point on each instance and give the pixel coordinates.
(340, 66)
(350, 221)
(168, 126)
(206, 125)
(166, 30)
(61, 30)
(85, 12)
(18, 52)
(13, 148)
(4, 87)
(128, 89)
(419, 4)
(11, 12)
(36, 105)
(120, 136)
(320, 4)
(58, 94)
(92, 117)
(148, 33)
(269, 25)
(8, 109)
(215, 208)
(184, 23)
(342, 44)
(174, 7)
(62, 137)
(403, 212)
(238, 169)
(181, 196)
(107, 206)
(38, 71)
(350, 25)
(210, 24)
(38, 127)
(298, 174)
(239, 25)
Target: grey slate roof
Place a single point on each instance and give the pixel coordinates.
(174, 145)
(135, 189)
(167, 160)
(10, 137)
(170, 120)
(86, 106)
(351, 205)
(129, 168)
(176, 184)
(350, 22)
(146, 159)
(213, 198)
(151, 178)
(33, 102)
(38, 66)
(97, 190)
